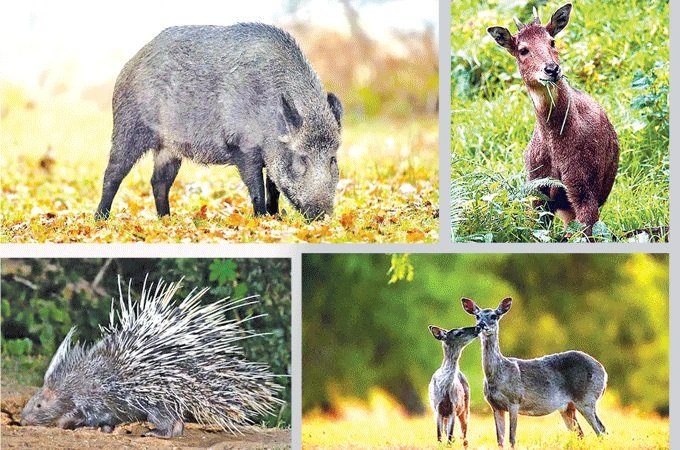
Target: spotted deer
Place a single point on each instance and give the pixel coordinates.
(449, 390)
(566, 382)
(573, 140)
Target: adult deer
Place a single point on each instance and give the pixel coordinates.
(566, 382)
(573, 140)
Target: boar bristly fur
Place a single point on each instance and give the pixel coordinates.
(241, 95)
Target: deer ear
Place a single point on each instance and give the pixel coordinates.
(503, 38)
(559, 20)
(438, 333)
(469, 306)
(504, 306)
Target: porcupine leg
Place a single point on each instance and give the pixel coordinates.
(166, 426)
(70, 420)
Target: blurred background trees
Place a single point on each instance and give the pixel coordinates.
(361, 332)
(43, 298)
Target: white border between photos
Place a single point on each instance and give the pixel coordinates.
(294, 251)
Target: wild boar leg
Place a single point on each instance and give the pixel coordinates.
(165, 168)
(250, 166)
(126, 149)
(272, 197)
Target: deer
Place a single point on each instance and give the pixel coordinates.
(573, 140)
(449, 391)
(566, 382)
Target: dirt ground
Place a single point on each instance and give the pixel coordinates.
(127, 436)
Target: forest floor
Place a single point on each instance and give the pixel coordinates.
(126, 436)
(55, 152)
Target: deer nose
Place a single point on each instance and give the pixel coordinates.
(552, 70)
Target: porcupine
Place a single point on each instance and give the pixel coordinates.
(159, 362)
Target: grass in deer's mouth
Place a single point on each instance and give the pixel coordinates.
(549, 84)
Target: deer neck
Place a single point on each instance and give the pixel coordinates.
(451, 357)
(491, 355)
(551, 105)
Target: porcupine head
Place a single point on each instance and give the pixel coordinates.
(53, 404)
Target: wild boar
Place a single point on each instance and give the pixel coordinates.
(243, 95)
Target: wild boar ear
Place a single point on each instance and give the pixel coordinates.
(336, 106)
(469, 306)
(438, 333)
(290, 119)
(503, 38)
(559, 20)
(58, 358)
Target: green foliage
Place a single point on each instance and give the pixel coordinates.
(400, 268)
(222, 271)
(615, 51)
(360, 333)
(43, 298)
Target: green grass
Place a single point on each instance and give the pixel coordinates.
(615, 51)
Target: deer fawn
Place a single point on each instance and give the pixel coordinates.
(449, 390)
(573, 140)
(567, 382)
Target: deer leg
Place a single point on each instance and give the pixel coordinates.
(569, 417)
(584, 204)
(439, 419)
(450, 421)
(599, 422)
(588, 214)
(512, 413)
(499, 419)
(565, 215)
(588, 411)
(462, 418)
(561, 206)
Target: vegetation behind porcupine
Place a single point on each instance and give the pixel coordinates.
(160, 362)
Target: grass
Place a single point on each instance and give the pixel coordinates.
(618, 53)
(387, 192)
(627, 429)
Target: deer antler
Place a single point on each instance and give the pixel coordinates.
(536, 19)
(519, 24)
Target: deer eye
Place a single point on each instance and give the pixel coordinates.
(552, 43)
(524, 51)
(493, 316)
(38, 405)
